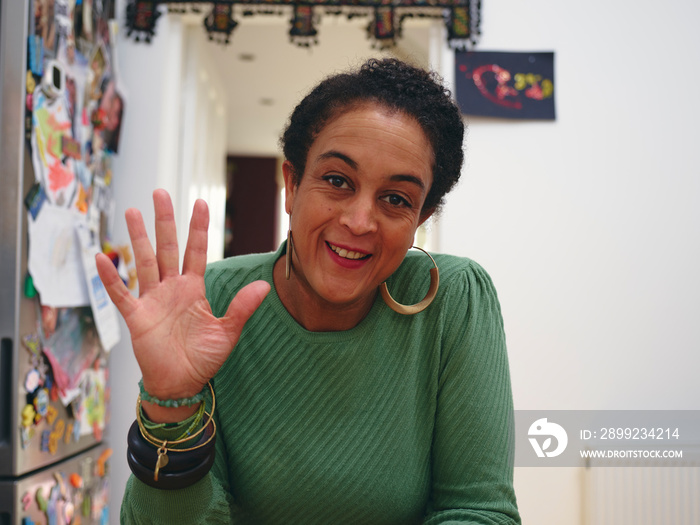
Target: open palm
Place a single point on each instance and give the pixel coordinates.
(178, 343)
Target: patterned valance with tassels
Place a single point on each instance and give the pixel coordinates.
(461, 17)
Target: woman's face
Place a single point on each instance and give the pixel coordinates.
(355, 212)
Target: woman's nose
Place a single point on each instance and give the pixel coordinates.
(359, 217)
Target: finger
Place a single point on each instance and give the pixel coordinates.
(195, 260)
(116, 289)
(144, 257)
(244, 304)
(167, 252)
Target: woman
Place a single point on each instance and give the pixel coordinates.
(331, 407)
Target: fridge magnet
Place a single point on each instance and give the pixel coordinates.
(68, 512)
(87, 504)
(41, 404)
(29, 289)
(69, 433)
(76, 432)
(70, 147)
(51, 414)
(61, 483)
(30, 83)
(45, 24)
(505, 85)
(97, 67)
(52, 505)
(26, 501)
(82, 23)
(94, 409)
(40, 364)
(53, 83)
(53, 393)
(48, 380)
(112, 109)
(44, 446)
(102, 462)
(28, 415)
(75, 480)
(35, 50)
(32, 381)
(33, 343)
(82, 203)
(64, 19)
(60, 429)
(76, 67)
(26, 434)
(86, 471)
(35, 199)
(53, 444)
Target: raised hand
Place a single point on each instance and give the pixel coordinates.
(177, 341)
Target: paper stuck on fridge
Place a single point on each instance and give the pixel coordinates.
(103, 310)
(54, 259)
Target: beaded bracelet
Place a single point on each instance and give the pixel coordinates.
(171, 403)
(165, 445)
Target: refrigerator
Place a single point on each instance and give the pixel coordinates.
(60, 114)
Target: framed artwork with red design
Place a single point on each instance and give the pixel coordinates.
(511, 85)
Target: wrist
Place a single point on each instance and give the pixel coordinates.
(160, 391)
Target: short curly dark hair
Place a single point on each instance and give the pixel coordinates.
(397, 86)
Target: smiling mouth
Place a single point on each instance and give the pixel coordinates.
(345, 254)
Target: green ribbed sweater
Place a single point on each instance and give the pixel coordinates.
(402, 419)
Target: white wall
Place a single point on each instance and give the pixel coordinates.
(589, 225)
(157, 121)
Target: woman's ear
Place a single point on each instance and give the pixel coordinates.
(290, 185)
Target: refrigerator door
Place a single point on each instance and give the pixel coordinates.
(73, 491)
(38, 426)
(13, 23)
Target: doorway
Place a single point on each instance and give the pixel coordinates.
(251, 205)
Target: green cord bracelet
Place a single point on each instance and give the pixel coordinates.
(171, 403)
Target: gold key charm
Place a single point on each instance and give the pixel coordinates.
(161, 462)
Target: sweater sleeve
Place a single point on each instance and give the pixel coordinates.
(473, 443)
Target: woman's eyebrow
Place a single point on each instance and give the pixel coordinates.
(409, 178)
(333, 154)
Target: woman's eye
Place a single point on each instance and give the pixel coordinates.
(396, 200)
(335, 180)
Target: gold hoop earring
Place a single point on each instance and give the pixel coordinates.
(288, 255)
(410, 309)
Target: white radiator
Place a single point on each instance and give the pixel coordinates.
(642, 495)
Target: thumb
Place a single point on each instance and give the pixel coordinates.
(244, 304)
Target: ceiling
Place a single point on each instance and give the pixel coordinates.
(266, 75)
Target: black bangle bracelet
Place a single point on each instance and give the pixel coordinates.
(147, 454)
(170, 480)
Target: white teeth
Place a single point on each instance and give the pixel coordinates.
(345, 253)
